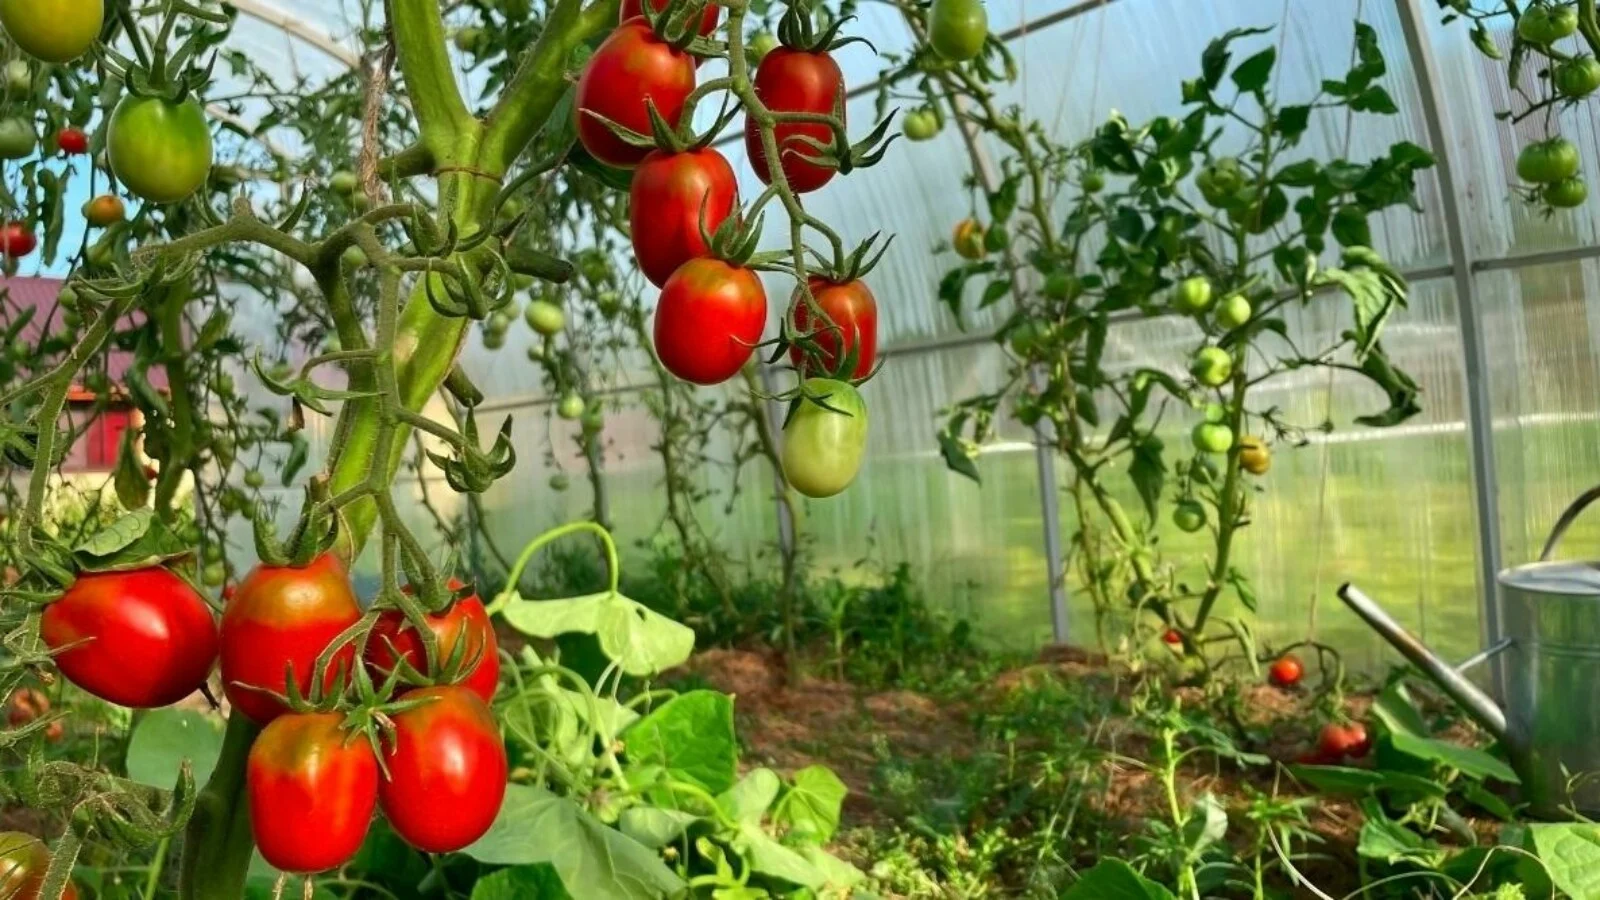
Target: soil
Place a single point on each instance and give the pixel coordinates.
(788, 725)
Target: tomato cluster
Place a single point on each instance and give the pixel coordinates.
(311, 773)
(689, 237)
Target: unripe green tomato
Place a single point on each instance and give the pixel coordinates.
(189, 533)
(1233, 311)
(1210, 437)
(545, 317)
(761, 44)
(1212, 366)
(1192, 295)
(1566, 193)
(17, 139)
(536, 353)
(344, 181)
(594, 421)
(214, 575)
(1214, 412)
(19, 79)
(1577, 77)
(493, 340)
(560, 482)
(68, 298)
(1220, 180)
(571, 407)
(920, 125)
(1189, 516)
(1094, 181)
(957, 29)
(1544, 25)
(1548, 161)
(1060, 286)
(211, 553)
(360, 202)
(254, 479)
(71, 319)
(353, 257)
(1027, 338)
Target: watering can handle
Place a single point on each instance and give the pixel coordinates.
(1568, 516)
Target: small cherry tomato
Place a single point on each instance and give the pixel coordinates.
(1286, 672)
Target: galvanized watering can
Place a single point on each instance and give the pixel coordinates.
(1550, 724)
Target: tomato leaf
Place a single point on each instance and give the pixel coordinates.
(1292, 122)
(119, 534)
(641, 641)
(654, 826)
(1003, 200)
(1149, 472)
(1214, 61)
(1251, 76)
(957, 458)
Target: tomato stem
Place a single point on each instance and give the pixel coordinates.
(217, 844)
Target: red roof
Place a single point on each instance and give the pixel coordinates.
(41, 293)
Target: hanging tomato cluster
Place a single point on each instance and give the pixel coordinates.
(692, 239)
(418, 741)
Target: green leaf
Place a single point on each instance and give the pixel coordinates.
(1571, 853)
(1252, 74)
(118, 535)
(1388, 841)
(956, 457)
(1208, 826)
(1374, 100)
(1300, 174)
(642, 642)
(1241, 586)
(1484, 41)
(811, 808)
(1393, 705)
(749, 800)
(954, 284)
(595, 862)
(836, 872)
(1361, 782)
(1114, 879)
(1466, 760)
(993, 291)
(164, 738)
(541, 882)
(691, 736)
(767, 857)
(1292, 122)
(1148, 472)
(654, 826)
(1003, 201)
(1214, 61)
(1399, 386)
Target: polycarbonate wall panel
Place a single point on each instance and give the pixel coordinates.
(1543, 329)
(976, 550)
(1388, 509)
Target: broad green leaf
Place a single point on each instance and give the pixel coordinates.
(836, 872)
(1395, 708)
(595, 862)
(1360, 782)
(1405, 738)
(654, 826)
(1571, 853)
(541, 882)
(749, 800)
(641, 641)
(1252, 74)
(1148, 472)
(811, 808)
(1114, 879)
(956, 457)
(765, 856)
(164, 738)
(1374, 100)
(1209, 826)
(118, 535)
(1214, 61)
(1386, 840)
(690, 735)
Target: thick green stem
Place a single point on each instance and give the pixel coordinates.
(180, 442)
(217, 843)
(1228, 511)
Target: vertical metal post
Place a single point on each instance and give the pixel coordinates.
(1480, 421)
(1049, 494)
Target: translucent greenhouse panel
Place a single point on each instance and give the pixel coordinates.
(1388, 509)
(1543, 336)
(976, 551)
(1497, 221)
(1074, 74)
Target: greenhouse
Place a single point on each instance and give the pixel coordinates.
(809, 449)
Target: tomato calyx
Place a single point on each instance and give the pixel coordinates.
(797, 32)
(317, 533)
(808, 324)
(469, 470)
(678, 23)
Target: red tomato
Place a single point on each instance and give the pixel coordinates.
(632, 65)
(17, 240)
(1339, 741)
(674, 196)
(312, 789)
(708, 19)
(1286, 672)
(790, 80)
(1172, 637)
(854, 310)
(393, 637)
(283, 617)
(72, 140)
(447, 770)
(143, 638)
(709, 320)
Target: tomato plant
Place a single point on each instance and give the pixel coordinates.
(312, 791)
(143, 638)
(709, 319)
(446, 770)
(283, 618)
(159, 149)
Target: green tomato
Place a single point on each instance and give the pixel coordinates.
(1255, 213)
(19, 79)
(536, 353)
(957, 29)
(1027, 338)
(57, 31)
(211, 553)
(159, 150)
(1214, 412)
(921, 125)
(353, 257)
(1566, 193)
(1192, 295)
(214, 575)
(1220, 180)
(1545, 162)
(1544, 25)
(17, 140)
(254, 479)
(1189, 516)
(1060, 286)
(1093, 181)
(1212, 437)
(545, 317)
(1212, 366)
(344, 181)
(823, 449)
(761, 44)
(1578, 77)
(560, 482)
(493, 340)
(1233, 311)
(571, 407)
(594, 421)
(967, 239)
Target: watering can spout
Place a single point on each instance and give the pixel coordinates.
(1480, 706)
